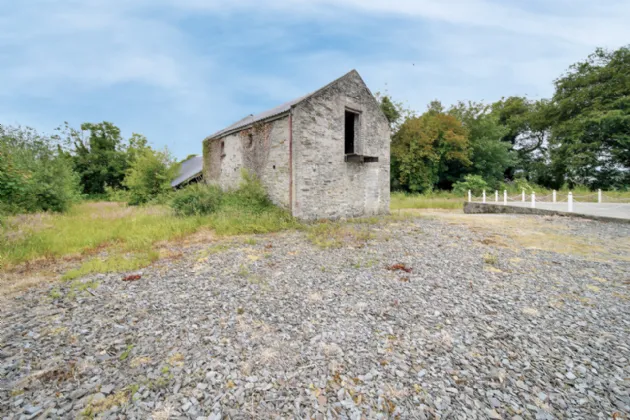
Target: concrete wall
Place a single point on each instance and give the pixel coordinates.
(325, 186)
(263, 150)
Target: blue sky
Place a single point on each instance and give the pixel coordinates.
(178, 70)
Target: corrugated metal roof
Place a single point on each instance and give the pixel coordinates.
(250, 119)
(188, 170)
(280, 109)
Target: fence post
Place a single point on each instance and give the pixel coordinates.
(533, 200)
(554, 196)
(496, 196)
(599, 196)
(505, 197)
(484, 196)
(570, 201)
(523, 196)
(469, 196)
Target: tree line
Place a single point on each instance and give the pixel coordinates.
(578, 137)
(49, 173)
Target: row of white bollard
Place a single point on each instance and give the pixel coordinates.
(533, 198)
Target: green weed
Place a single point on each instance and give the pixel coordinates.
(113, 264)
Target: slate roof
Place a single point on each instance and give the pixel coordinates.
(188, 170)
(280, 109)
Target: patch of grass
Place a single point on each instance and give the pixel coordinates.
(234, 221)
(125, 354)
(250, 241)
(93, 226)
(490, 259)
(113, 264)
(55, 293)
(117, 399)
(400, 200)
(337, 234)
(243, 271)
(176, 359)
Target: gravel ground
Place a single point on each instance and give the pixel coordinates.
(276, 327)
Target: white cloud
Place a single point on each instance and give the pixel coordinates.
(200, 62)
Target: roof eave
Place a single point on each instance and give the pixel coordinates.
(220, 135)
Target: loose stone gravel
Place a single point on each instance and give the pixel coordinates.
(277, 327)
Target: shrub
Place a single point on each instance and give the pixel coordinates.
(521, 184)
(150, 175)
(116, 194)
(249, 196)
(474, 183)
(197, 199)
(35, 175)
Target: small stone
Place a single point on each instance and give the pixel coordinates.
(30, 409)
(492, 414)
(522, 385)
(570, 376)
(495, 403)
(202, 386)
(107, 389)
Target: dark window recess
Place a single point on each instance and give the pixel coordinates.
(351, 124)
(222, 149)
(369, 159)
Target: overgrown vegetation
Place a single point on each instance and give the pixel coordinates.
(579, 137)
(130, 234)
(34, 174)
(196, 200)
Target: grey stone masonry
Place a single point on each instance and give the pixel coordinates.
(300, 153)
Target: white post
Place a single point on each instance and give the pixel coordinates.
(570, 200)
(496, 196)
(505, 197)
(484, 196)
(554, 196)
(469, 196)
(523, 196)
(533, 200)
(599, 196)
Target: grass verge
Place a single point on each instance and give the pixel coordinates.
(401, 200)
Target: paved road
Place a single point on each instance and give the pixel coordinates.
(618, 210)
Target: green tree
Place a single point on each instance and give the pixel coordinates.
(427, 147)
(150, 175)
(590, 115)
(99, 156)
(526, 124)
(491, 156)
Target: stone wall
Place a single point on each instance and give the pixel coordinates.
(486, 208)
(262, 150)
(325, 186)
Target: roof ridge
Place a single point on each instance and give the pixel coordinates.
(275, 111)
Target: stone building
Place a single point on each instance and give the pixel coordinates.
(324, 155)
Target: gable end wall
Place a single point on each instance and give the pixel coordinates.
(325, 186)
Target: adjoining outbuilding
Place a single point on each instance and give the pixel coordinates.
(324, 155)
(190, 171)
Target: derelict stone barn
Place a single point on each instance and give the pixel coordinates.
(324, 155)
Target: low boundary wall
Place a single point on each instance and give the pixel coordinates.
(487, 208)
